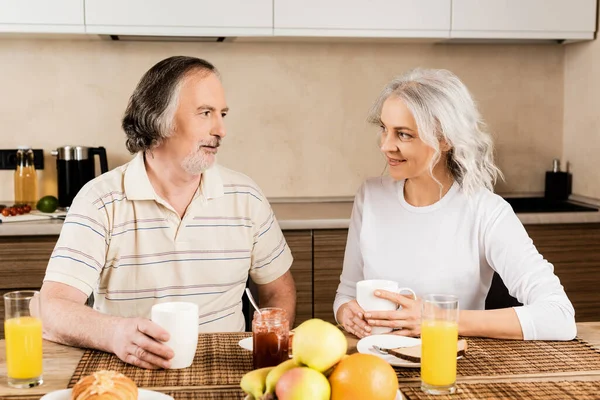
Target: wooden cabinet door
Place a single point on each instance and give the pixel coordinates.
(300, 243)
(2, 292)
(574, 250)
(24, 260)
(524, 19)
(328, 248)
(359, 18)
(179, 17)
(42, 16)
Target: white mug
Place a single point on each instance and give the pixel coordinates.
(365, 296)
(180, 319)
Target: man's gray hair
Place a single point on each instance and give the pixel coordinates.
(149, 115)
(444, 109)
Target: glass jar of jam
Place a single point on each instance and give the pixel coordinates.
(270, 337)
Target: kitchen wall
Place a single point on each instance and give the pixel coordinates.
(297, 122)
(582, 117)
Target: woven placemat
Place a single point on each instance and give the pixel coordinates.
(580, 390)
(227, 394)
(218, 394)
(219, 360)
(491, 357)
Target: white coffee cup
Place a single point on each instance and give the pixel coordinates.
(180, 319)
(365, 296)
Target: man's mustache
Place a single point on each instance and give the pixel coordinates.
(215, 143)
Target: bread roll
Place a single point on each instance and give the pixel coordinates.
(105, 385)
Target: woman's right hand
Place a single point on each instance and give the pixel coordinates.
(351, 316)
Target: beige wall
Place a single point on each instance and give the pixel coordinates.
(582, 117)
(298, 109)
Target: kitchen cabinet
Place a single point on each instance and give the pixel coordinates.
(180, 17)
(421, 19)
(300, 243)
(42, 16)
(523, 19)
(23, 261)
(356, 18)
(573, 249)
(328, 248)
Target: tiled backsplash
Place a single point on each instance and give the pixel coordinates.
(297, 121)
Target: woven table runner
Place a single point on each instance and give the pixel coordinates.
(192, 394)
(221, 394)
(580, 390)
(492, 357)
(219, 361)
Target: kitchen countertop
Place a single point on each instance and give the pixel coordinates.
(310, 214)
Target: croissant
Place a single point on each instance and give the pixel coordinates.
(105, 385)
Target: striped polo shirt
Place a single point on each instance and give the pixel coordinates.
(127, 246)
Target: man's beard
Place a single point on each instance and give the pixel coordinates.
(199, 161)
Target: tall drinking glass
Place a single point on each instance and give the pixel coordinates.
(439, 336)
(23, 338)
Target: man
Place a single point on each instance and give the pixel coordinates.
(168, 226)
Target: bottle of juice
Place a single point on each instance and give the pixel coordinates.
(25, 178)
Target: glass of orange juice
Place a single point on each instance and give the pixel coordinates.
(23, 338)
(439, 340)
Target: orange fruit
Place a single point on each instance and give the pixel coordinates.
(363, 376)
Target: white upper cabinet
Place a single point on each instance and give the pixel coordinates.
(363, 18)
(524, 19)
(41, 16)
(180, 17)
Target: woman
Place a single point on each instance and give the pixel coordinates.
(435, 225)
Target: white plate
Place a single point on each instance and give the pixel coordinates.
(144, 394)
(246, 343)
(390, 342)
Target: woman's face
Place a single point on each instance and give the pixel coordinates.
(408, 157)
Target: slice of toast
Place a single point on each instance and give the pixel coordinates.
(413, 353)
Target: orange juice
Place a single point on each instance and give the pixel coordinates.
(438, 347)
(23, 347)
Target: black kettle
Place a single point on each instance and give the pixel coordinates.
(75, 167)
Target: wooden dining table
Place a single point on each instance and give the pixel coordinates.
(60, 363)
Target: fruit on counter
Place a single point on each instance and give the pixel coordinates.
(330, 370)
(15, 209)
(363, 376)
(303, 383)
(253, 382)
(276, 373)
(47, 204)
(319, 344)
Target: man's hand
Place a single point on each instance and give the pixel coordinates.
(138, 341)
(350, 315)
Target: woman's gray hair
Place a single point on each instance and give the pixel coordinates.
(149, 115)
(444, 109)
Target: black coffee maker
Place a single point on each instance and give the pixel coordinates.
(75, 167)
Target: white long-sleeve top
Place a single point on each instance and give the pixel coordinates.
(453, 247)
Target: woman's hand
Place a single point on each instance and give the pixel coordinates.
(351, 316)
(405, 322)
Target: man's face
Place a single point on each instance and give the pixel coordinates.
(198, 122)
